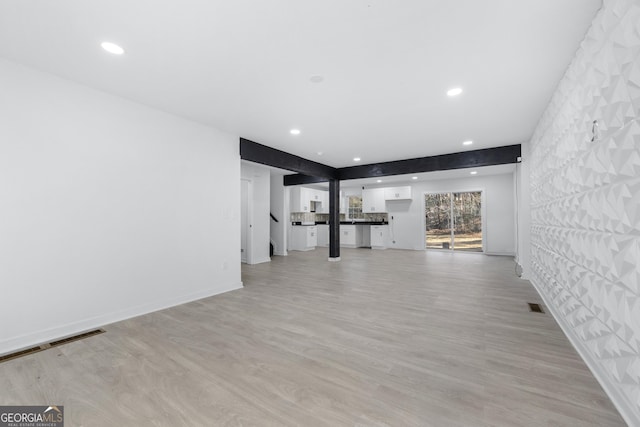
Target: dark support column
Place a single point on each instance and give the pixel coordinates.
(334, 220)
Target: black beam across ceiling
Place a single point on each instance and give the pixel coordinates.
(297, 179)
(310, 172)
(258, 153)
(466, 159)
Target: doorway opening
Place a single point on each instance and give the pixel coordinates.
(454, 221)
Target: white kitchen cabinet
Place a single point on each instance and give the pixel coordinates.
(299, 200)
(397, 193)
(351, 235)
(348, 235)
(373, 200)
(324, 208)
(323, 234)
(315, 195)
(379, 236)
(315, 199)
(324, 202)
(304, 237)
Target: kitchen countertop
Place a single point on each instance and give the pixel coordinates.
(364, 223)
(342, 223)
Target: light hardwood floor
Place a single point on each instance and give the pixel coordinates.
(398, 338)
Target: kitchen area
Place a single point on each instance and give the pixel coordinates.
(378, 215)
(364, 219)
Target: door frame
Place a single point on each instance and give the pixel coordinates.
(483, 212)
(249, 212)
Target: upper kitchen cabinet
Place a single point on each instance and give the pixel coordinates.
(319, 200)
(397, 193)
(305, 199)
(323, 207)
(373, 200)
(300, 200)
(316, 195)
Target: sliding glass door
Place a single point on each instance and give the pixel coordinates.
(438, 212)
(454, 221)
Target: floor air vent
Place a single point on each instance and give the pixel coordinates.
(47, 346)
(536, 308)
(76, 337)
(20, 353)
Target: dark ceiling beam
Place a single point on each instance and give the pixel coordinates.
(466, 159)
(310, 172)
(297, 179)
(258, 153)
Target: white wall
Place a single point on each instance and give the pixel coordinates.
(407, 225)
(108, 209)
(260, 177)
(280, 209)
(585, 203)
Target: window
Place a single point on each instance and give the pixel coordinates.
(355, 207)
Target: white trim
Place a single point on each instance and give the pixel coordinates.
(47, 335)
(261, 260)
(334, 259)
(249, 249)
(628, 412)
(500, 253)
(280, 253)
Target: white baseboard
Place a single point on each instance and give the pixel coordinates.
(499, 253)
(63, 331)
(628, 412)
(261, 260)
(278, 253)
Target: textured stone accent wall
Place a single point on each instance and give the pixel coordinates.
(585, 202)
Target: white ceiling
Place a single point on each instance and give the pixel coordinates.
(244, 66)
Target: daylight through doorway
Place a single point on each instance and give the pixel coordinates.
(454, 221)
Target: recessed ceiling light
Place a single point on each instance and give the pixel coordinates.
(112, 48)
(356, 159)
(294, 131)
(473, 172)
(316, 79)
(319, 153)
(467, 143)
(414, 177)
(454, 91)
(379, 180)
